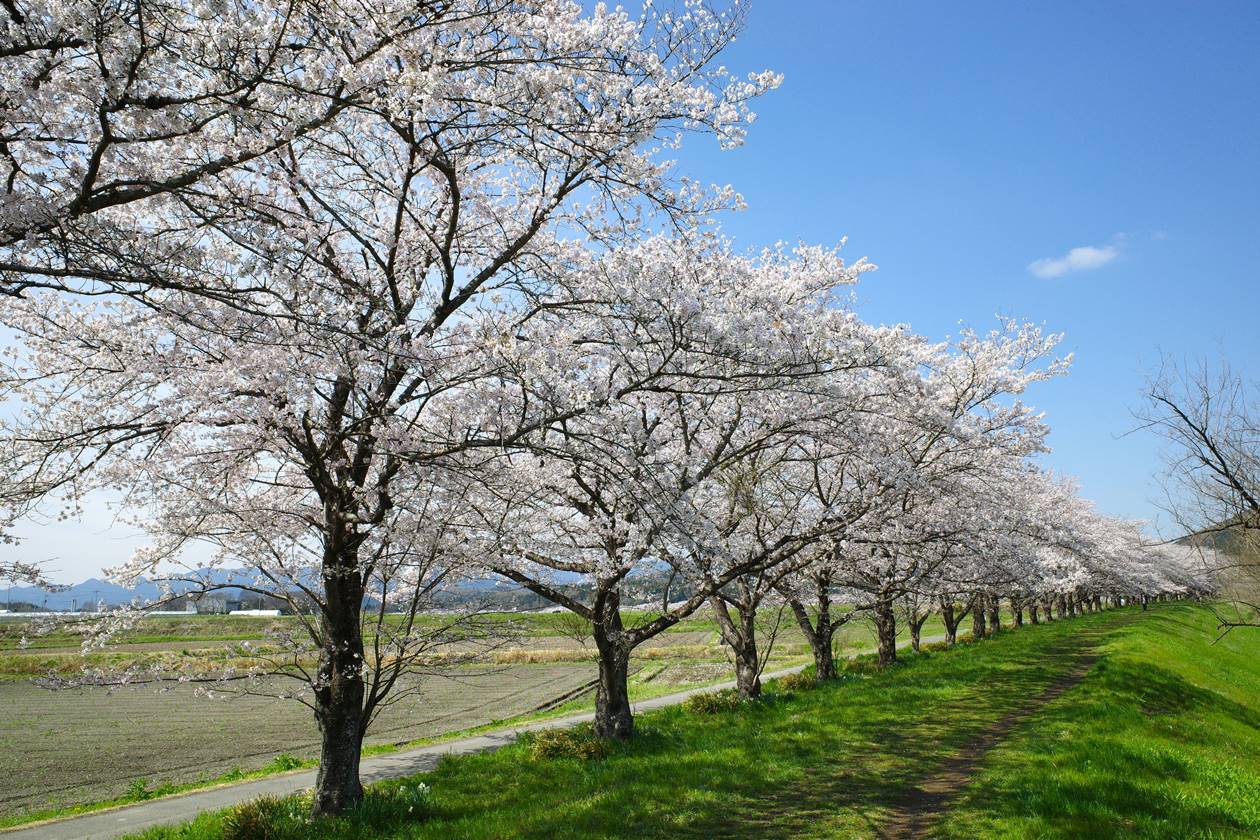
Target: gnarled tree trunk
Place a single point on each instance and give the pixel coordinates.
(916, 623)
(339, 687)
(821, 630)
(977, 617)
(747, 671)
(951, 617)
(739, 632)
(613, 717)
(994, 607)
(886, 630)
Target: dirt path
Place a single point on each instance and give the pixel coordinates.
(916, 814)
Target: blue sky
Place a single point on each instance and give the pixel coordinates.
(957, 144)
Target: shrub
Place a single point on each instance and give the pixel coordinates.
(933, 647)
(265, 818)
(712, 702)
(383, 808)
(579, 743)
(800, 681)
(867, 663)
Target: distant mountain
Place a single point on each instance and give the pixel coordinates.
(95, 591)
(648, 586)
(1237, 536)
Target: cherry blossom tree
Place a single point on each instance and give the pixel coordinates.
(952, 445)
(343, 319)
(735, 350)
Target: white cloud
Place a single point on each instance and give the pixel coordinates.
(1084, 258)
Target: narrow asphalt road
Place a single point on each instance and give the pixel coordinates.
(129, 819)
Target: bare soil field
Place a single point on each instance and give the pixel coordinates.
(62, 748)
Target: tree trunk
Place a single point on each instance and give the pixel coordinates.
(1060, 607)
(818, 633)
(824, 661)
(1033, 612)
(339, 687)
(1017, 610)
(613, 717)
(995, 615)
(337, 785)
(747, 672)
(742, 639)
(886, 630)
(977, 618)
(916, 630)
(951, 622)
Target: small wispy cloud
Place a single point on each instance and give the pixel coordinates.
(1084, 258)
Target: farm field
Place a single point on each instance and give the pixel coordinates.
(72, 747)
(61, 748)
(1122, 723)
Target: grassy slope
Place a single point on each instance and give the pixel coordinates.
(1162, 740)
(1162, 734)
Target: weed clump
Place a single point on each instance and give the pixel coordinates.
(383, 808)
(579, 743)
(139, 791)
(800, 681)
(284, 762)
(264, 818)
(712, 702)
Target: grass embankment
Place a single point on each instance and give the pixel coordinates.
(1160, 739)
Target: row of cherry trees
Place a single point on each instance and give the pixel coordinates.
(372, 298)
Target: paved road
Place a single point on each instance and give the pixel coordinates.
(116, 822)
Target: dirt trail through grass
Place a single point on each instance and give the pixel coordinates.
(916, 813)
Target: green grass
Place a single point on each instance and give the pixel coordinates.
(1160, 741)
